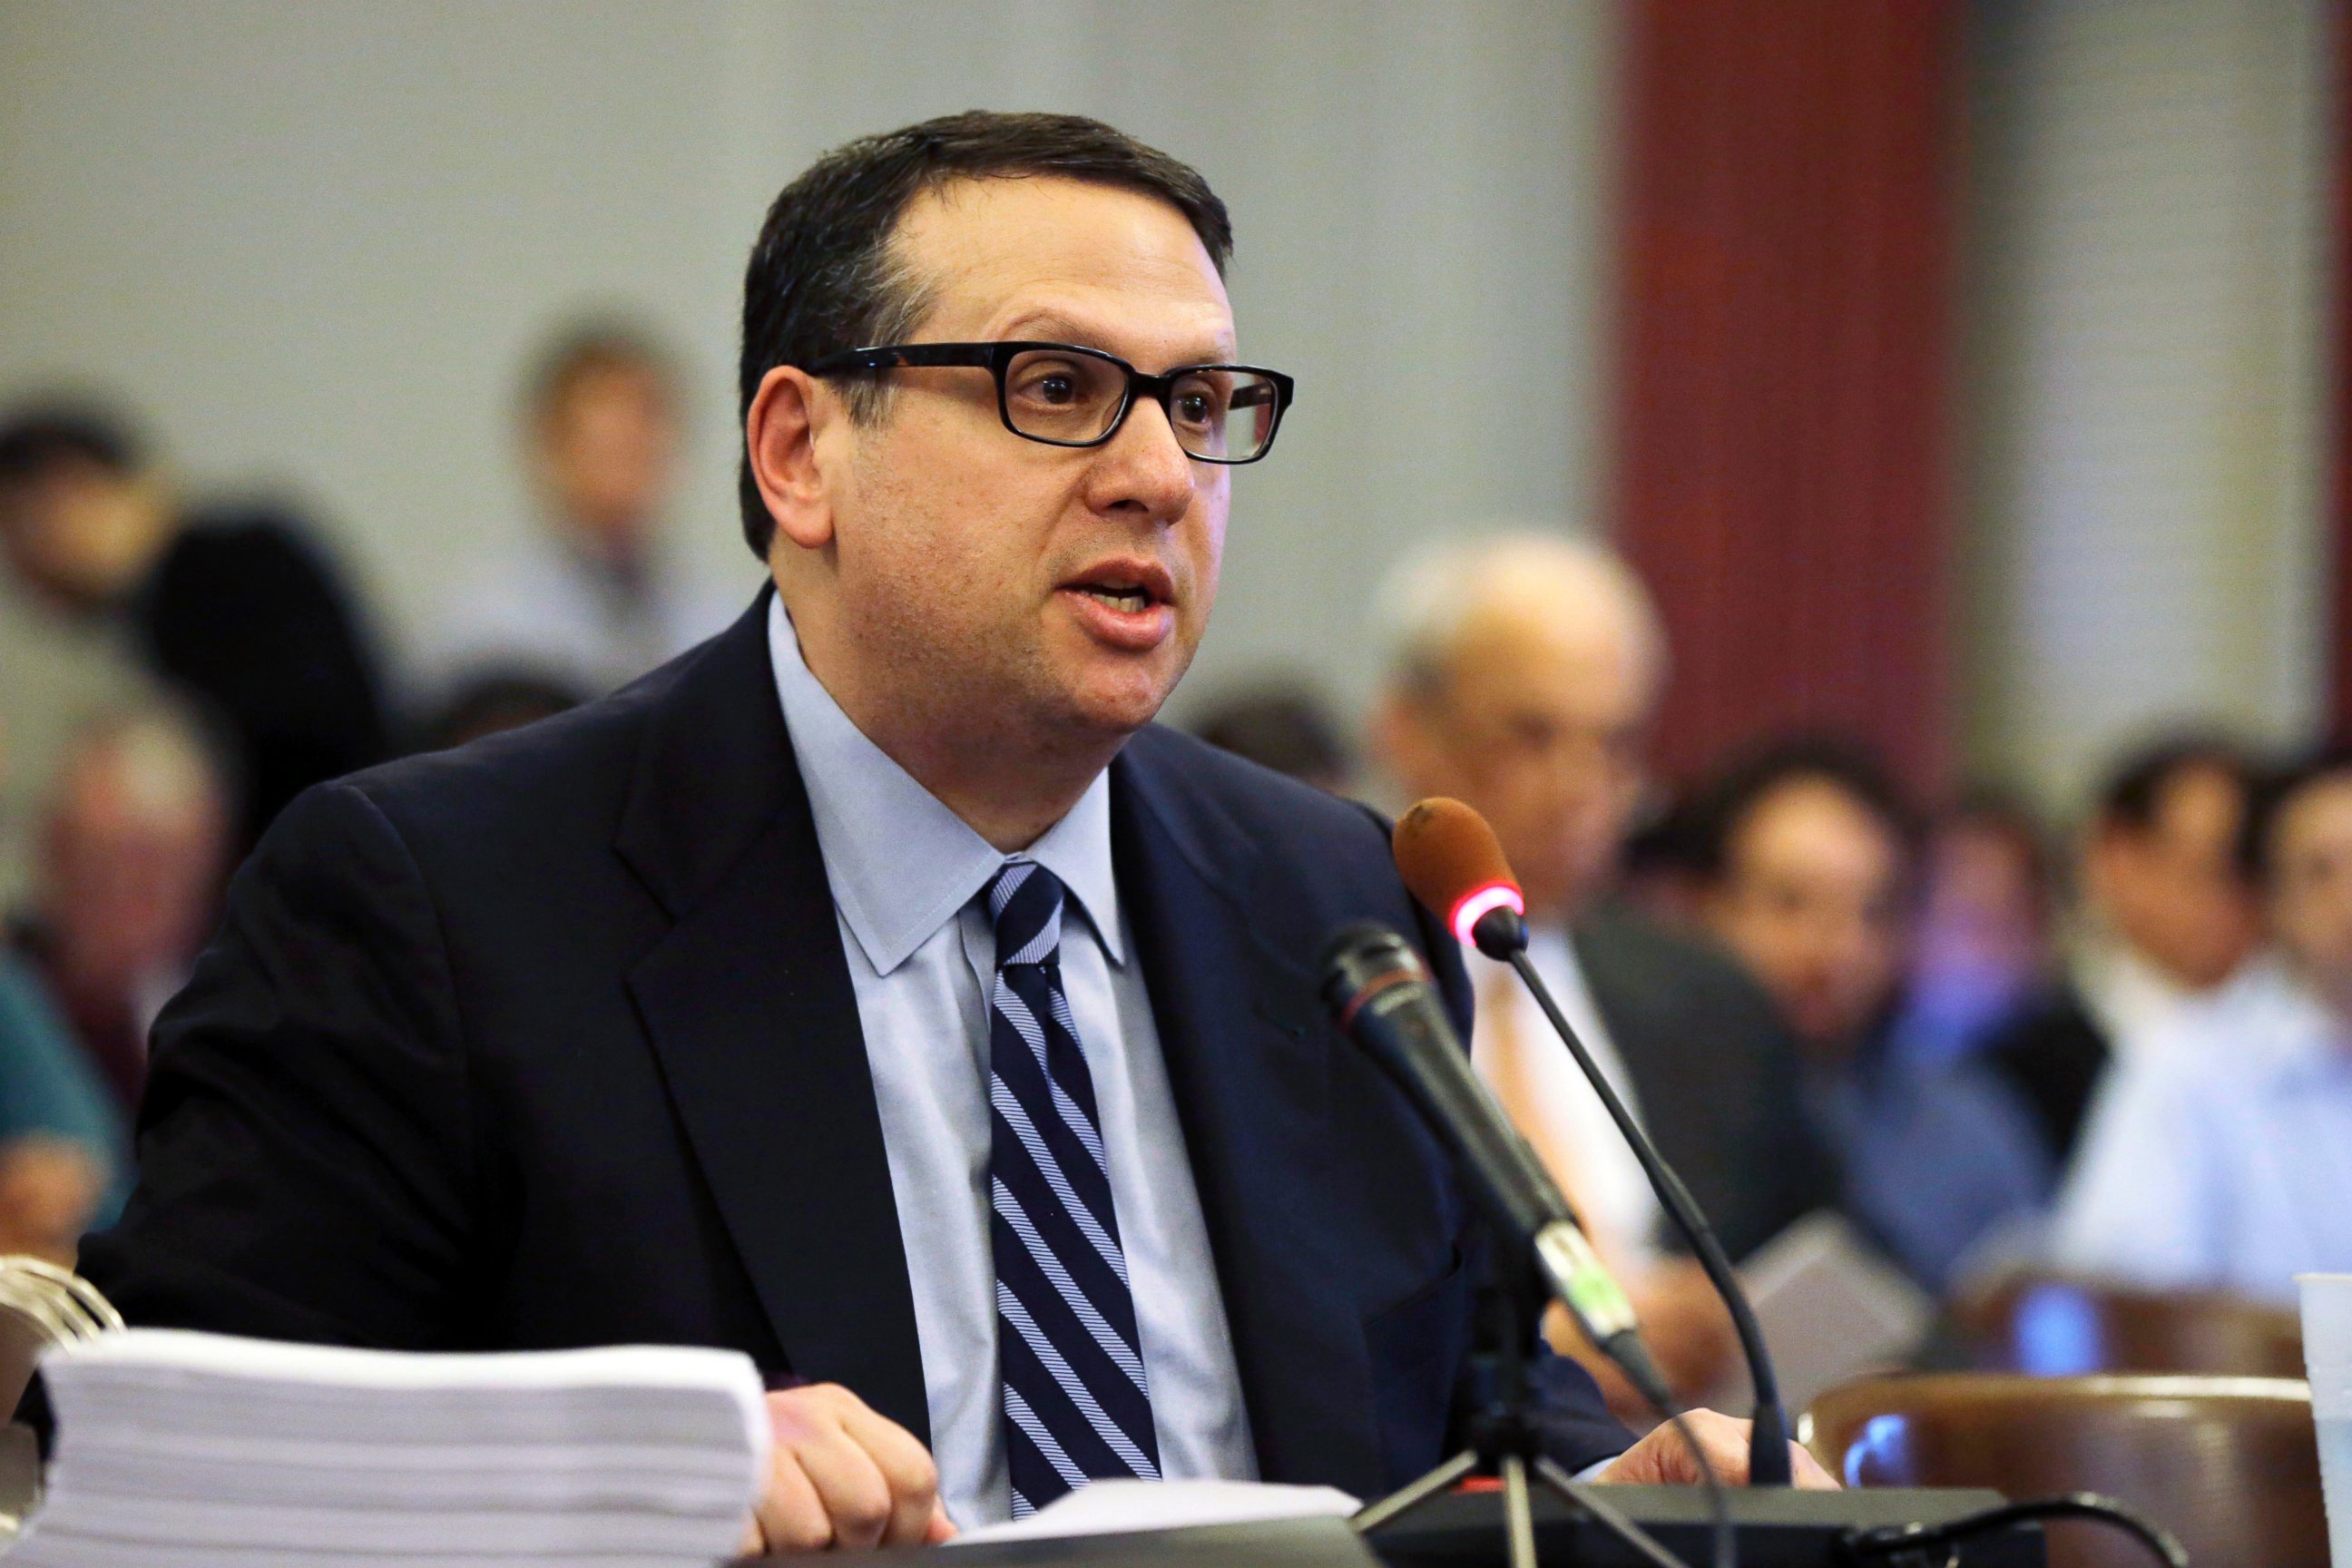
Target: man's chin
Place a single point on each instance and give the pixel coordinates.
(1119, 701)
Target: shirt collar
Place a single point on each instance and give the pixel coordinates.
(899, 862)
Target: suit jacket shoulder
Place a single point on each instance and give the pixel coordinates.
(1310, 859)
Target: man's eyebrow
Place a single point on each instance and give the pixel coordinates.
(1045, 326)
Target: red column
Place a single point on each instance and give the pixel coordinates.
(1783, 383)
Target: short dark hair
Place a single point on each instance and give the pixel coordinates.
(592, 346)
(1721, 808)
(2271, 794)
(1284, 727)
(35, 441)
(2133, 793)
(821, 281)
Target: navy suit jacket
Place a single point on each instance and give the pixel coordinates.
(550, 1041)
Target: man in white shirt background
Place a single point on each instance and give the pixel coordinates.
(2169, 930)
(1524, 674)
(591, 598)
(2221, 1155)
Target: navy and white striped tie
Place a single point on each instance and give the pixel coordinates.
(1078, 1407)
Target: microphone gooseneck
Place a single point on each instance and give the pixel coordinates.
(1451, 860)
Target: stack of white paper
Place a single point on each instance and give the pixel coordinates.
(198, 1449)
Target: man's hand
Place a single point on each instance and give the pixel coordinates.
(48, 1185)
(842, 1478)
(1662, 1458)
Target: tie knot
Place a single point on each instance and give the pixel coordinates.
(1025, 905)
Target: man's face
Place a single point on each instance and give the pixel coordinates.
(129, 880)
(1982, 928)
(1539, 725)
(607, 452)
(1038, 591)
(2311, 885)
(2172, 890)
(1810, 900)
(79, 534)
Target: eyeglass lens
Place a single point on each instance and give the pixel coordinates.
(1053, 394)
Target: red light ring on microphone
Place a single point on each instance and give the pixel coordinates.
(1481, 901)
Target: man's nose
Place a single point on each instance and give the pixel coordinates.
(1142, 469)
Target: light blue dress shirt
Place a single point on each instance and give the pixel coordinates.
(907, 874)
(2222, 1156)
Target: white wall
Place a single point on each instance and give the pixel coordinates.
(2148, 445)
(310, 240)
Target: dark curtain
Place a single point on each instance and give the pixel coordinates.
(1782, 456)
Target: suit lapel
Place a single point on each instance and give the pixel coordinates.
(1249, 1065)
(749, 1002)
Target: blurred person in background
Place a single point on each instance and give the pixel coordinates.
(1985, 946)
(1284, 726)
(2221, 1155)
(1525, 674)
(491, 705)
(231, 605)
(61, 1140)
(590, 599)
(2170, 929)
(1658, 873)
(1807, 855)
(134, 854)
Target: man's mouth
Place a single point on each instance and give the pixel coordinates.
(1134, 598)
(1130, 585)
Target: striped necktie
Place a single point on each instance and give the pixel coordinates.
(1078, 1407)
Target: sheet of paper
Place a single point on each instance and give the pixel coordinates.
(1112, 1508)
(1831, 1308)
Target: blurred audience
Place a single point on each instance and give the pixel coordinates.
(1807, 855)
(492, 703)
(233, 605)
(1285, 727)
(590, 599)
(1658, 873)
(1985, 948)
(134, 853)
(2170, 929)
(61, 1140)
(61, 1146)
(2219, 1156)
(1525, 674)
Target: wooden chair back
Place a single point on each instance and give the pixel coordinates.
(2230, 1465)
(2054, 1326)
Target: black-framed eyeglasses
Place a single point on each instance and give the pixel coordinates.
(1065, 396)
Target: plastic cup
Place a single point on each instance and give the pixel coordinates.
(2327, 1355)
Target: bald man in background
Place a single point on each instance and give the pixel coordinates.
(1524, 673)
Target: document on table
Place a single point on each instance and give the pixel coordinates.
(203, 1451)
(1830, 1308)
(1113, 1507)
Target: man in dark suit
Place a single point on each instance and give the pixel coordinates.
(1525, 672)
(874, 989)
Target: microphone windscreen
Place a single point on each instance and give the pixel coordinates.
(1452, 861)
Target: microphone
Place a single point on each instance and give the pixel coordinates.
(1452, 861)
(1380, 995)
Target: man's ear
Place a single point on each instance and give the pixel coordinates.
(779, 437)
